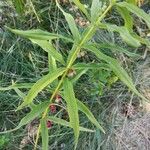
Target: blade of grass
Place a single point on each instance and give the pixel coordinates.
(19, 5)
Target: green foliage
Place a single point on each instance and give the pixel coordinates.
(44, 133)
(81, 7)
(4, 140)
(115, 48)
(67, 124)
(40, 85)
(60, 76)
(88, 113)
(96, 10)
(137, 11)
(71, 23)
(125, 35)
(19, 5)
(38, 34)
(116, 68)
(48, 47)
(15, 85)
(72, 108)
(132, 1)
(35, 112)
(128, 20)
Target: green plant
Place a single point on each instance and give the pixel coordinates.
(59, 80)
(4, 140)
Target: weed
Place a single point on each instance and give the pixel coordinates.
(64, 71)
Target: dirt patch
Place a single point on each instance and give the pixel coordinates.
(132, 125)
(134, 135)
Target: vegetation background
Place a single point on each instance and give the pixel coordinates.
(126, 120)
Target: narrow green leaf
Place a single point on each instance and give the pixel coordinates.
(48, 47)
(90, 66)
(72, 108)
(116, 68)
(96, 10)
(44, 133)
(79, 74)
(19, 5)
(83, 68)
(116, 48)
(71, 23)
(145, 41)
(22, 85)
(67, 124)
(35, 112)
(34, 34)
(52, 67)
(88, 33)
(22, 95)
(128, 20)
(125, 34)
(51, 63)
(17, 85)
(19, 93)
(40, 85)
(132, 1)
(89, 114)
(38, 34)
(85, 129)
(59, 121)
(137, 11)
(81, 7)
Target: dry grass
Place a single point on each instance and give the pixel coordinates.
(132, 122)
(134, 134)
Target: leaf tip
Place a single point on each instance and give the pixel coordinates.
(20, 106)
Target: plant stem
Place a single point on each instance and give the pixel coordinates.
(73, 58)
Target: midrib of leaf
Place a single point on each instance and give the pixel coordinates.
(73, 58)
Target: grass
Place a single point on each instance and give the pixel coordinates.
(21, 61)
